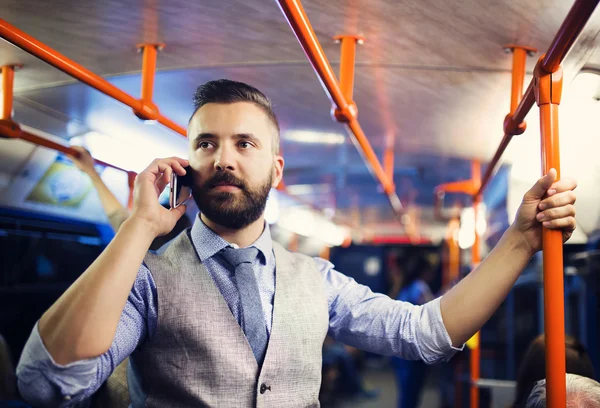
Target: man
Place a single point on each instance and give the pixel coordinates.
(582, 392)
(225, 317)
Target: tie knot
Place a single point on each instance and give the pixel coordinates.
(239, 256)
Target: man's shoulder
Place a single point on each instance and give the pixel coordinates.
(177, 243)
(321, 265)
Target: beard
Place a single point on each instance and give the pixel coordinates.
(234, 210)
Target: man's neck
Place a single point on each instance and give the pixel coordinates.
(243, 237)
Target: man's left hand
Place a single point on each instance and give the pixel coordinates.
(548, 203)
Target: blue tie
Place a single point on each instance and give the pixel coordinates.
(254, 325)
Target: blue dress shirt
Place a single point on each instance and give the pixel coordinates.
(357, 317)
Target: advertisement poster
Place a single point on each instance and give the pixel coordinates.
(62, 185)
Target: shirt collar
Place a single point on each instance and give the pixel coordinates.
(208, 243)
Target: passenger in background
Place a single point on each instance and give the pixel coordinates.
(340, 364)
(114, 210)
(415, 275)
(533, 366)
(8, 379)
(582, 392)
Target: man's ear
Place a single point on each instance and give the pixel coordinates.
(278, 164)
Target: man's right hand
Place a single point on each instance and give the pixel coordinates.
(149, 184)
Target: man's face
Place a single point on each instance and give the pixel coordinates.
(231, 153)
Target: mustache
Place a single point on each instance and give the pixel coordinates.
(224, 178)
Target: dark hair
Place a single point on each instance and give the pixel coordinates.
(533, 365)
(228, 91)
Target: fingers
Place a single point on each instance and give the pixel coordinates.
(557, 213)
(158, 167)
(541, 186)
(179, 211)
(562, 185)
(164, 179)
(567, 223)
(174, 163)
(558, 200)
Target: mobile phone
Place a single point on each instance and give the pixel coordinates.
(180, 188)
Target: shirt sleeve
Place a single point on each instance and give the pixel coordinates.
(43, 382)
(373, 322)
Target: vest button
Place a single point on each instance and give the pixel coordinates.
(264, 388)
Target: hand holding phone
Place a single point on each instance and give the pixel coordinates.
(180, 188)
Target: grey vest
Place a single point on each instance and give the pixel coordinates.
(199, 355)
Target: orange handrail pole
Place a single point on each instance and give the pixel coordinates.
(512, 126)
(476, 175)
(294, 242)
(470, 187)
(453, 272)
(343, 110)
(463, 186)
(564, 39)
(171, 125)
(388, 155)
(22, 40)
(8, 77)
(61, 62)
(325, 253)
(388, 161)
(148, 69)
(130, 182)
(363, 145)
(518, 77)
(298, 21)
(525, 105)
(568, 32)
(475, 361)
(12, 130)
(494, 162)
(548, 89)
(347, 60)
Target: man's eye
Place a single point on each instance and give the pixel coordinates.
(204, 145)
(245, 145)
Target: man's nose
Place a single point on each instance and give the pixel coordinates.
(225, 159)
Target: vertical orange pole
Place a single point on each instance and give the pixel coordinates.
(452, 252)
(294, 243)
(388, 155)
(475, 361)
(548, 89)
(518, 75)
(325, 253)
(131, 181)
(148, 71)
(347, 58)
(8, 76)
(454, 274)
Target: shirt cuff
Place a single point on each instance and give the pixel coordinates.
(38, 370)
(440, 348)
